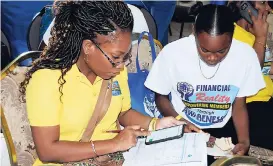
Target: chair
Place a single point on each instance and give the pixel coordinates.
(151, 22)
(5, 40)
(8, 139)
(181, 14)
(33, 34)
(5, 51)
(14, 119)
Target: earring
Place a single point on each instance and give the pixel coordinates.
(85, 57)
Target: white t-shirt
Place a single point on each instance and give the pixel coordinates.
(140, 23)
(205, 102)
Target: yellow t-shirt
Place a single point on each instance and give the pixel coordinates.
(78, 101)
(266, 93)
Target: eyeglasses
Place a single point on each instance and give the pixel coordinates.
(114, 64)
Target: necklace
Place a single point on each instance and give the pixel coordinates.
(203, 73)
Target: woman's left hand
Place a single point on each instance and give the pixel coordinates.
(171, 121)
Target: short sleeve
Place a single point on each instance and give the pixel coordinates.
(253, 78)
(47, 34)
(158, 79)
(43, 99)
(126, 97)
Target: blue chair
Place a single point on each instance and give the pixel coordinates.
(5, 51)
(33, 34)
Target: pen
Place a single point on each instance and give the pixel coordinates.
(113, 131)
(118, 131)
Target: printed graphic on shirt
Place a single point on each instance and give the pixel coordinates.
(268, 58)
(150, 106)
(116, 89)
(206, 105)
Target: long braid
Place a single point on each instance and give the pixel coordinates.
(76, 21)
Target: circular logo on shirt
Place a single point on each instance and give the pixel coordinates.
(185, 89)
(206, 105)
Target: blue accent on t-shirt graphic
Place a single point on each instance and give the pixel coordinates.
(116, 89)
(149, 100)
(149, 103)
(206, 104)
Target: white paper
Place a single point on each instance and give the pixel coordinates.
(215, 151)
(187, 151)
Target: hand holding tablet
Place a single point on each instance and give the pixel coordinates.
(165, 134)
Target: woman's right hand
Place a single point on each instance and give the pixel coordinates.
(127, 138)
(190, 127)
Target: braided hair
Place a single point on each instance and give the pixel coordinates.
(77, 21)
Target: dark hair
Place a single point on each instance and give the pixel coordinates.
(270, 3)
(213, 19)
(76, 21)
(233, 6)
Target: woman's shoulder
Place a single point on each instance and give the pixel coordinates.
(242, 54)
(45, 76)
(46, 73)
(43, 82)
(242, 49)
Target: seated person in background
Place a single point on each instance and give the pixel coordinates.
(209, 78)
(140, 24)
(90, 43)
(162, 12)
(260, 105)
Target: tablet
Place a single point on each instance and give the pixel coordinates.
(165, 134)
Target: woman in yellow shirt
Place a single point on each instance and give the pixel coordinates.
(90, 42)
(259, 106)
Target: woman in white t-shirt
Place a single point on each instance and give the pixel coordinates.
(209, 75)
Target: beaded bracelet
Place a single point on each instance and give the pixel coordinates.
(93, 147)
(261, 43)
(178, 117)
